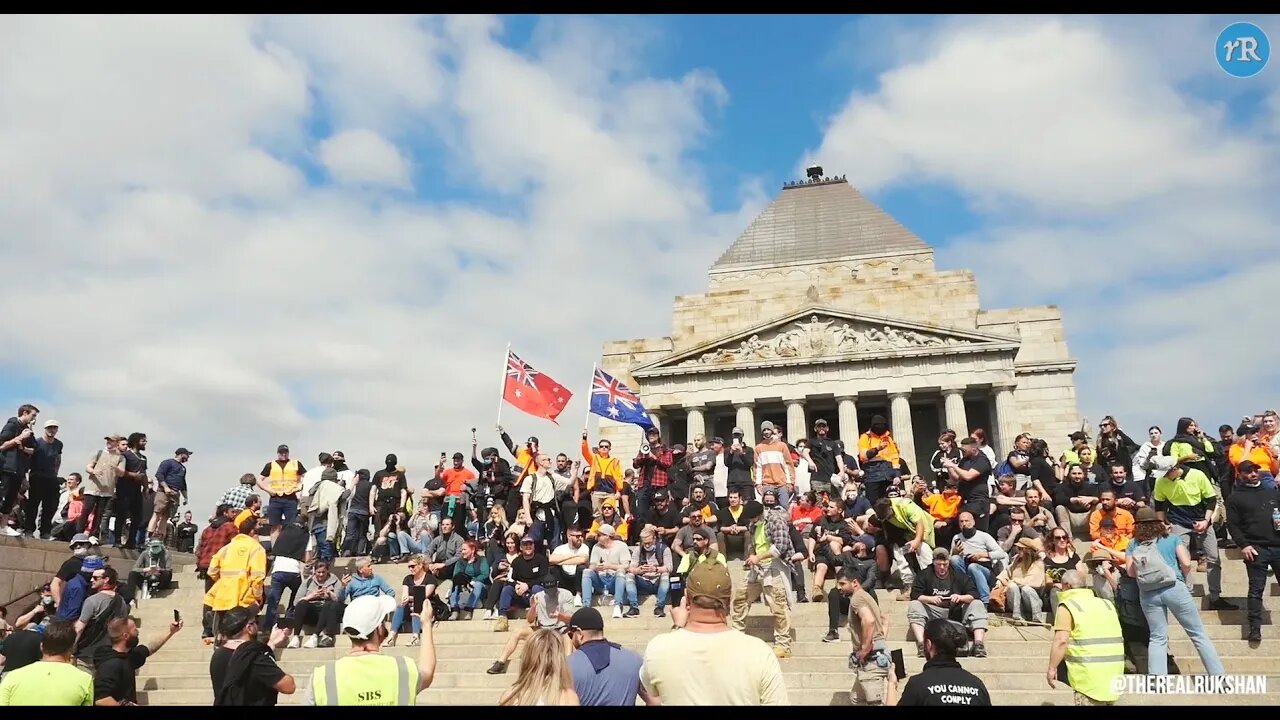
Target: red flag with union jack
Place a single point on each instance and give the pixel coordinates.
(532, 391)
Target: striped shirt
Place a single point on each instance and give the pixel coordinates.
(773, 464)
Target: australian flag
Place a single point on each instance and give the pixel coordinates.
(610, 398)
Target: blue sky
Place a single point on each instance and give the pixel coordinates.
(315, 229)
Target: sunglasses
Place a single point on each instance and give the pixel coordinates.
(1059, 537)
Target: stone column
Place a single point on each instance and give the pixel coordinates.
(697, 423)
(747, 421)
(900, 409)
(795, 421)
(847, 413)
(1006, 418)
(953, 399)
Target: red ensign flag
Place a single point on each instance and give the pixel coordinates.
(532, 391)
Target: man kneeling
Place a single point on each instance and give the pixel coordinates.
(550, 609)
(940, 593)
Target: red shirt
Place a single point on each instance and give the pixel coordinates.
(455, 478)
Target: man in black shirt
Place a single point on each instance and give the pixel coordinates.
(739, 459)
(46, 461)
(17, 446)
(528, 571)
(1250, 520)
(942, 682)
(20, 649)
(1129, 494)
(115, 668)
(243, 669)
(937, 592)
(825, 456)
(129, 491)
(972, 474)
(664, 516)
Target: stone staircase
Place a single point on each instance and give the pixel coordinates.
(816, 674)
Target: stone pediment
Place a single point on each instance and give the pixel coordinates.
(820, 335)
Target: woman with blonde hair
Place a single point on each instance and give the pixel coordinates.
(544, 673)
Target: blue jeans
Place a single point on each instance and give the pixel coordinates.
(397, 620)
(408, 544)
(637, 585)
(1156, 605)
(324, 548)
(981, 575)
(280, 581)
(509, 598)
(472, 599)
(594, 582)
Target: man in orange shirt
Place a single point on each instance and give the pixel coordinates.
(1107, 509)
(878, 453)
(456, 494)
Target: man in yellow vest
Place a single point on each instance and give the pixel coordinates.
(238, 570)
(281, 480)
(1086, 633)
(367, 676)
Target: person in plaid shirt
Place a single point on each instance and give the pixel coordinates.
(651, 471)
(236, 496)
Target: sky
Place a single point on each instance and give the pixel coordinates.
(233, 232)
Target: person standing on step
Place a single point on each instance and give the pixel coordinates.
(768, 570)
(942, 682)
(239, 569)
(243, 669)
(45, 465)
(1086, 633)
(366, 676)
(1186, 499)
(873, 679)
(1253, 520)
(605, 674)
(115, 668)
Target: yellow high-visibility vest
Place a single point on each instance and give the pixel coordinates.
(1095, 653)
(371, 679)
(284, 480)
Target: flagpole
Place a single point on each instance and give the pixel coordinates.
(502, 386)
(587, 419)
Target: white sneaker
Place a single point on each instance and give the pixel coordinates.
(294, 643)
(617, 611)
(488, 614)
(312, 641)
(10, 532)
(577, 601)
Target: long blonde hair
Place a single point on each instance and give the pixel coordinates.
(544, 672)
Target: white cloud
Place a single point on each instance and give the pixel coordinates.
(363, 157)
(1107, 181)
(198, 288)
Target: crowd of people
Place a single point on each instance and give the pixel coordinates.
(551, 537)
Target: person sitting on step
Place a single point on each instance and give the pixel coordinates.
(549, 609)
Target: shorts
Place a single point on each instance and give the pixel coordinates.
(282, 510)
(164, 502)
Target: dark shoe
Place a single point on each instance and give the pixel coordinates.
(919, 650)
(1255, 635)
(1223, 604)
(979, 650)
(800, 597)
(831, 636)
(659, 611)
(498, 668)
(633, 612)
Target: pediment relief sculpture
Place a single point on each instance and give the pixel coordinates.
(822, 338)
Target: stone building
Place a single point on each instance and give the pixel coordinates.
(827, 307)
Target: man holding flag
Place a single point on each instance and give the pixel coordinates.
(612, 399)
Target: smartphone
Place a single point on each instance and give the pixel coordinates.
(899, 665)
(177, 616)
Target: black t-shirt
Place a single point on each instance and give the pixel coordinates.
(531, 570)
(943, 683)
(927, 582)
(44, 463)
(823, 452)
(669, 519)
(435, 484)
(750, 510)
(20, 649)
(134, 462)
(835, 527)
(1042, 470)
(14, 460)
(1127, 489)
(70, 568)
(1066, 490)
(975, 490)
(257, 689)
(115, 674)
(418, 593)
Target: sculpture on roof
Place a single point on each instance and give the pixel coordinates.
(817, 338)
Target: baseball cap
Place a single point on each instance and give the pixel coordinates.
(587, 618)
(717, 439)
(364, 614)
(183, 451)
(282, 448)
(1246, 466)
(941, 554)
(820, 423)
(51, 423)
(677, 449)
(605, 529)
(458, 456)
(1107, 522)
(1077, 435)
(661, 495)
(766, 425)
(710, 579)
(737, 431)
(113, 438)
(529, 538)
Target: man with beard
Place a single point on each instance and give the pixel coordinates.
(1251, 521)
(680, 475)
(185, 534)
(651, 470)
(496, 480)
(879, 456)
(825, 456)
(972, 474)
(17, 447)
(768, 571)
(702, 464)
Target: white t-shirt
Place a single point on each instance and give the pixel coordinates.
(582, 552)
(720, 477)
(310, 478)
(688, 668)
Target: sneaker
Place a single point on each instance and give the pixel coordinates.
(490, 615)
(781, 653)
(390, 641)
(327, 641)
(415, 641)
(1255, 635)
(1223, 604)
(497, 668)
(466, 614)
(10, 532)
(294, 643)
(577, 601)
(633, 612)
(501, 625)
(979, 650)
(617, 611)
(831, 636)
(455, 615)
(802, 598)
(311, 642)
(659, 611)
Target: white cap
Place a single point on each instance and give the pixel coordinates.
(364, 614)
(607, 529)
(52, 423)
(1162, 464)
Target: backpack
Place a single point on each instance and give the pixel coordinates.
(1154, 572)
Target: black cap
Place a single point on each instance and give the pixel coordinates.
(550, 582)
(458, 456)
(182, 451)
(660, 495)
(1246, 466)
(820, 423)
(1077, 435)
(677, 449)
(587, 618)
(282, 448)
(717, 439)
